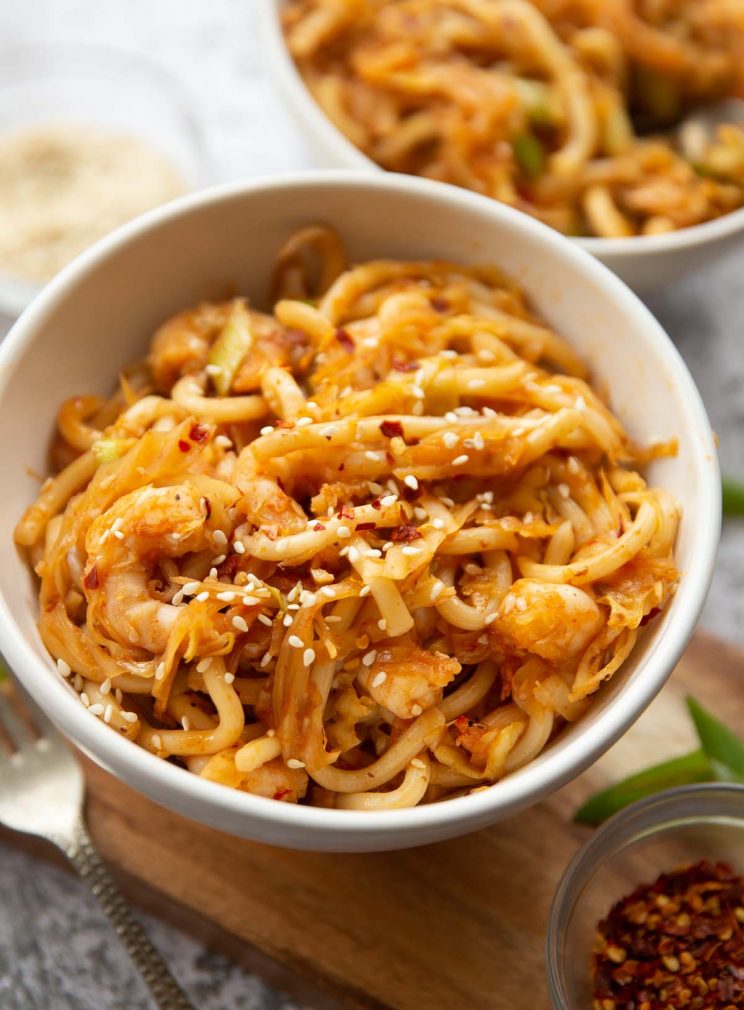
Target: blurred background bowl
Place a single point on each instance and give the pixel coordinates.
(105, 88)
(636, 846)
(647, 263)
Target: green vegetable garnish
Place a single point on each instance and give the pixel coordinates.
(720, 759)
(105, 450)
(539, 101)
(733, 497)
(3, 672)
(681, 771)
(530, 154)
(724, 749)
(229, 349)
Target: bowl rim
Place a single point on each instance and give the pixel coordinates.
(669, 807)
(524, 787)
(289, 81)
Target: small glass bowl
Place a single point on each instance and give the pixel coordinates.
(103, 87)
(651, 837)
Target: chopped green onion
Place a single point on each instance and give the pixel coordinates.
(530, 154)
(733, 497)
(229, 349)
(105, 450)
(539, 101)
(681, 771)
(3, 672)
(724, 749)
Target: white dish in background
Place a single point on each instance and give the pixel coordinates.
(103, 87)
(101, 312)
(646, 263)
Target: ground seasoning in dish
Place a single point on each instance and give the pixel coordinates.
(678, 942)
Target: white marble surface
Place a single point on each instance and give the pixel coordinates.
(56, 952)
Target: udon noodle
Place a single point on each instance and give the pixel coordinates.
(556, 107)
(370, 550)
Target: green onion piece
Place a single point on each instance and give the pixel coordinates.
(230, 348)
(530, 154)
(3, 672)
(681, 771)
(105, 450)
(724, 749)
(733, 497)
(539, 101)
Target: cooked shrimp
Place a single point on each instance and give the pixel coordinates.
(272, 779)
(406, 679)
(549, 620)
(125, 545)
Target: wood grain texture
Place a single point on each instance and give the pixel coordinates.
(450, 926)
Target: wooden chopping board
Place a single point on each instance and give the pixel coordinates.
(454, 926)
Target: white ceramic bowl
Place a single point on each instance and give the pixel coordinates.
(100, 313)
(646, 263)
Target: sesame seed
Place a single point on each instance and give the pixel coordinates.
(202, 597)
(328, 431)
(160, 671)
(436, 590)
(78, 683)
(190, 588)
(212, 573)
(389, 499)
(410, 481)
(250, 601)
(120, 536)
(416, 710)
(204, 664)
(218, 561)
(295, 641)
(226, 597)
(451, 416)
(64, 668)
(386, 547)
(580, 403)
(328, 591)
(96, 709)
(527, 518)
(421, 514)
(265, 619)
(382, 624)
(353, 555)
(295, 763)
(223, 442)
(508, 605)
(564, 491)
(287, 620)
(270, 732)
(459, 460)
(129, 716)
(478, 441)
(450, 439)
(476, 383)
(365, 590)
(369, 657)
(156, 741)
(521, 603)
(220, 537)
(311, 405)
(239, 623)
(108, 712)
(117, 524)
(302, 421)
(85, 699)
(308, 657)
(343, 532)
(448, 353)
(239, 547)
(379, 679)
(486, 355)
(229, 677)
(267, 429)
(265, 660)
(438, 524)
(410, 551)
(418, 392)
(186, 723)
(333, 619)
(572, 465)
(491, 618)
(374, 456)
(343, 552)
(177, 598)
(212, 369)
(118, 695)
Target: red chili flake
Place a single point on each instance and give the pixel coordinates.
(391, 428)
(360, 527)
(90, 579)
(653, 612)
(439, 304)
(345, 339)
(280, 483)
(198, 433)
(284, 424)
(183, 445)
(281, 793)
(346, 511)
(678, 942)
(409, 494)
(377, 505)
(318, 527)
(404, 534)
(405, 366)
(207, 507)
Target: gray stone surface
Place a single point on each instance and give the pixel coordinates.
(56, 952)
